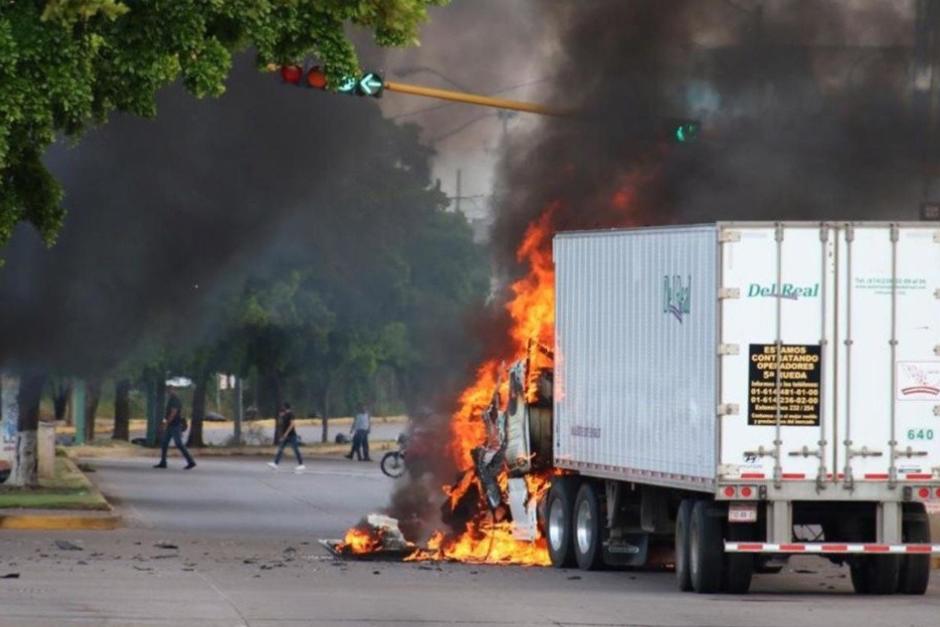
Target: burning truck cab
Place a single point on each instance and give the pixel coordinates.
(721, 397)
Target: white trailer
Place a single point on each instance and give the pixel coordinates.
(741, 392)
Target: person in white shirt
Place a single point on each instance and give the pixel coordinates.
(360, 430)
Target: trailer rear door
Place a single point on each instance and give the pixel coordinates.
(777, 324)
(889, 320)
(830, 342)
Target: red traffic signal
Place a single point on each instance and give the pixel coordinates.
(316, 78)
(291, 74)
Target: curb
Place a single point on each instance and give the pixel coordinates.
(69, 521)
(72, 520)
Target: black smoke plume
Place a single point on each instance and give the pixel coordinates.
(806, 112)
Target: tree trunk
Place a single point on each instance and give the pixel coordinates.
(239, 411)
(161, 407)
(26, 464)
(93, 395)
(122, 410)
(199, 411)
(275, 387)
(60, 399)
(325, 418)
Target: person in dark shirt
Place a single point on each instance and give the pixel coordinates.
(288, 436)
(173, 429)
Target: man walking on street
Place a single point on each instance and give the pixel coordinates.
(173, 428)
(288, 436)
(360, 430)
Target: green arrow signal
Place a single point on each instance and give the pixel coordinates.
(371, 84)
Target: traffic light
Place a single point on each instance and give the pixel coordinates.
(369, 84)
(291, 74)
(685, 131)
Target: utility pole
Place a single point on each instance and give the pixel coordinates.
(459, 192)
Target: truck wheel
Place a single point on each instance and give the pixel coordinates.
(706, 553)
(859, 572)
(683, 520)
(915, 569)
(588, 528)
(560, 506)
(876, 574)
(739, 567)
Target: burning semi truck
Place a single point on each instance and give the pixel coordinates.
(725, 395)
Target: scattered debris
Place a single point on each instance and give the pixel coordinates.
(574, 577)
(166, 545)
(376, 572)
(163, 556)
(82, 563)
(145, 569)
(803, 571)
(65, 545)
(10, 576)
(249, 560)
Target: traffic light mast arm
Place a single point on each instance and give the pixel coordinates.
(459, 96)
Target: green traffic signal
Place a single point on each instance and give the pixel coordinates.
(686, 132)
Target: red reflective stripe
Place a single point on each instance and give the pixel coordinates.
(919, 475)
(750, 547)
(918, 548)
(875, 475)
(792, 547)
(835, 548)
(752, 475)
(794, 475)
(876, 548)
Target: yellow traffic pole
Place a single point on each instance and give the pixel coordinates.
(459, 96)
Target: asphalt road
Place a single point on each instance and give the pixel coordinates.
(244, 497)
(234, 543)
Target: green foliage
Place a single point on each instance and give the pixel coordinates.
(66, 64)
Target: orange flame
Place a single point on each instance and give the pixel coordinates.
(359, 541)
(487, 538)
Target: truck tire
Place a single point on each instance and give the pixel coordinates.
(683, 521)
(739, 567)
(915, 569)
(876, 574)
(558, 522)
(706, 550)
(588, 526)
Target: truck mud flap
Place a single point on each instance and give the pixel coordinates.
(629, 550)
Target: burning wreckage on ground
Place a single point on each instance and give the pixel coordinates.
(720, 397)
(496, 503)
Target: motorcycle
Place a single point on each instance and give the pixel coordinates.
(393, 462)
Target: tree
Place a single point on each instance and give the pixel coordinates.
(25, 471)
(67, 64)
(122, 410)
(61, 390)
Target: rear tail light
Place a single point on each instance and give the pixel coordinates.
(922, 493)
(740, 492)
